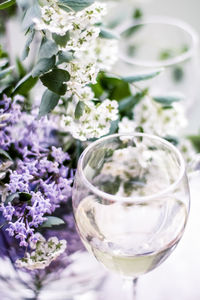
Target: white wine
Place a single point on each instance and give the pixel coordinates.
(131, 240)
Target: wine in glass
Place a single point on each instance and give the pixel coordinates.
(131, 201)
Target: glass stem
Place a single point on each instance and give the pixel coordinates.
(130, 288)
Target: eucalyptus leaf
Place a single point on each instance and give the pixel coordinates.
(5, 72)
(75, 4)
(55, 81)
(48, 48)
(7, 4)
(61, 40)
(79, 110)
(52, 221)
(5, 154)
(126, 105)
(32, 12)
(23, 4)
(172, 139)
(43, 66)
(11, 198)
(64, 56)
(25, 85)
(168, 100)
(141, 77)
(108, 34)
(30, 38)
(48, 103)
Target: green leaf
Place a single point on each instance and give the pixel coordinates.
(113, 87)
(172, 139)
(7, 4)
(48, 103)
(132, 30)
(48, 48)
(64, 56)
(126, 105)
(168, 100)
(75, 4)
(21, 69)
(30, 38)
(137, 14)
(43, 66)
(25, 85)
(61, 40)
(5, 154)
(24, 197)
(5, 72)
(140, 77)
(110, 184)
(108, 34)
(54, 81)
(80, 107)
(195, 140)
(52, 221)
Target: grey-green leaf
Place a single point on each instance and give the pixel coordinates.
(28, 43)
(75, 4)
(55, 81)
(47, 49)
(43, 66)
(32, 12)
(7, 4)
(61, 40)
(5, 154)
(64, 56)
(52, 221)
(11, 197)
(168, 100)
(25, 85)
(5, 72)
(79, 110)
(108, 34)
(140, 77)
(48, 103)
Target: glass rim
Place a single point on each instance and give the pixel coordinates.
(163, 20)
(135, 199)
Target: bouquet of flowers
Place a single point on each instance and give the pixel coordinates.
(82, 100)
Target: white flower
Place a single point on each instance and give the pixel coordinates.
(95, 121)
(44, 253)
(187, 149)
(106, 51)
(126, 126)
(156, 120)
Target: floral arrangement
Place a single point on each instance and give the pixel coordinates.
(82, 100)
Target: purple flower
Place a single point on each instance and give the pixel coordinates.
(59, 155)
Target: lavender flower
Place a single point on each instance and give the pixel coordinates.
(40, 180)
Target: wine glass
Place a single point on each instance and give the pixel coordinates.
(161, 42)
(131, 202)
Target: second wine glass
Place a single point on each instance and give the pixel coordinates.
(131, 201)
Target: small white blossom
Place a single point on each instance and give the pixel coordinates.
(126, 126)
(187, 149)
(95, 121)
(45, 251)
(156, 120)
